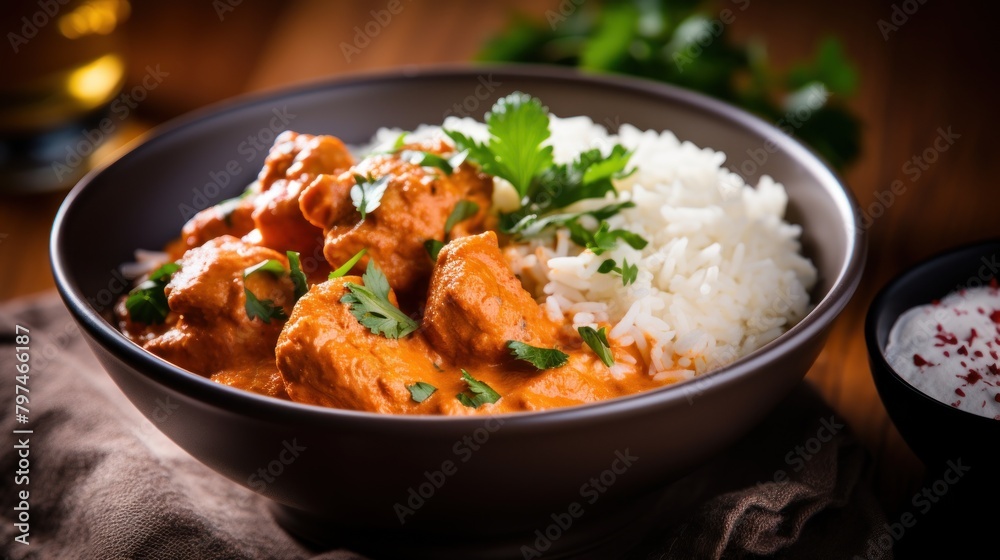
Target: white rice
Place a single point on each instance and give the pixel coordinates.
(722, 274)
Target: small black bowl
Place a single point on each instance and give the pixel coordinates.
(935, 431)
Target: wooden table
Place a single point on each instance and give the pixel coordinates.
(935, 72)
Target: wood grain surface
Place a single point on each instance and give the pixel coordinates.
(935, 73)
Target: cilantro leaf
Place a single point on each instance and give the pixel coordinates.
(541, 358)
(481, 392)
(271, 265)
(433, 247)
(598, 342)
(295, 272)
(426, 159)
(421, 391)
(463, 210)
(347, 266)
(147, 302)
(265, 310)
(371, 306)
(366, 194)
(518, 125)
(164, 272)
(628, 272)
(400, 140)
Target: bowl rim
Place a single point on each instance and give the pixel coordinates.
(843, 287)
(876, 311)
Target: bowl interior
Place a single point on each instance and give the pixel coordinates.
(933, 429)
(143, 199)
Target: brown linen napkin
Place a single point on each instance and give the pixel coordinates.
(105, 483)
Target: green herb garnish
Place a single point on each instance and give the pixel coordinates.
(265, 310)
(347, 266)
(366, 194)
(541, 358)
(420, 391)
(519, 126)
(463, 210)
(371, 306)
(295, 272)
(147, 303)
(598, 342)
(433, 247)
(628, 272)
(426, 159)
(271, 265)
(481, 393)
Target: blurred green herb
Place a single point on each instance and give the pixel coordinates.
(686, 42)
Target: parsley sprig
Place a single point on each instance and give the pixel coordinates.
(479, 393)
(541, 358)
(147, 303)
(628, 272)
(463, 210)
(421, 391)
(598, 342)
(371, 306)
(263, 309)
(366, 194)
(516, 151)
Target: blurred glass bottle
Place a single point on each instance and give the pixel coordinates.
(62, 66)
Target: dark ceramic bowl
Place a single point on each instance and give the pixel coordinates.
(935, 431)
(463, 486)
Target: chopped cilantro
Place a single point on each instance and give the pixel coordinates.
(371, 306)
(347, 266)
(481, 393)
(366, 194)
(147, 303)
(295, 272)
(433, 247)
(541, 358)
(598, 342)
(420, 391)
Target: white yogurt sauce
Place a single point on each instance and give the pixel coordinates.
(950, 350)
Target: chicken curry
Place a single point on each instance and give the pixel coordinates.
(374, 285)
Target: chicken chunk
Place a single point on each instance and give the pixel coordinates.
(475, 304)
(328, 358)
(208, 330)
(294, 162)
(414, 209)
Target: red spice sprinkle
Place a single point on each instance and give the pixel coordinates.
(993, 369)
(947, 338)
(935, 302)
(963, 350)
(919, 361)
(964, 364)
(993, 283)
(972, 378)
(960, 392)
(939, 327)
(972, 336)
(995, 316)
(978, 353)
(994, 355)
(947, 354)
(996, 397)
